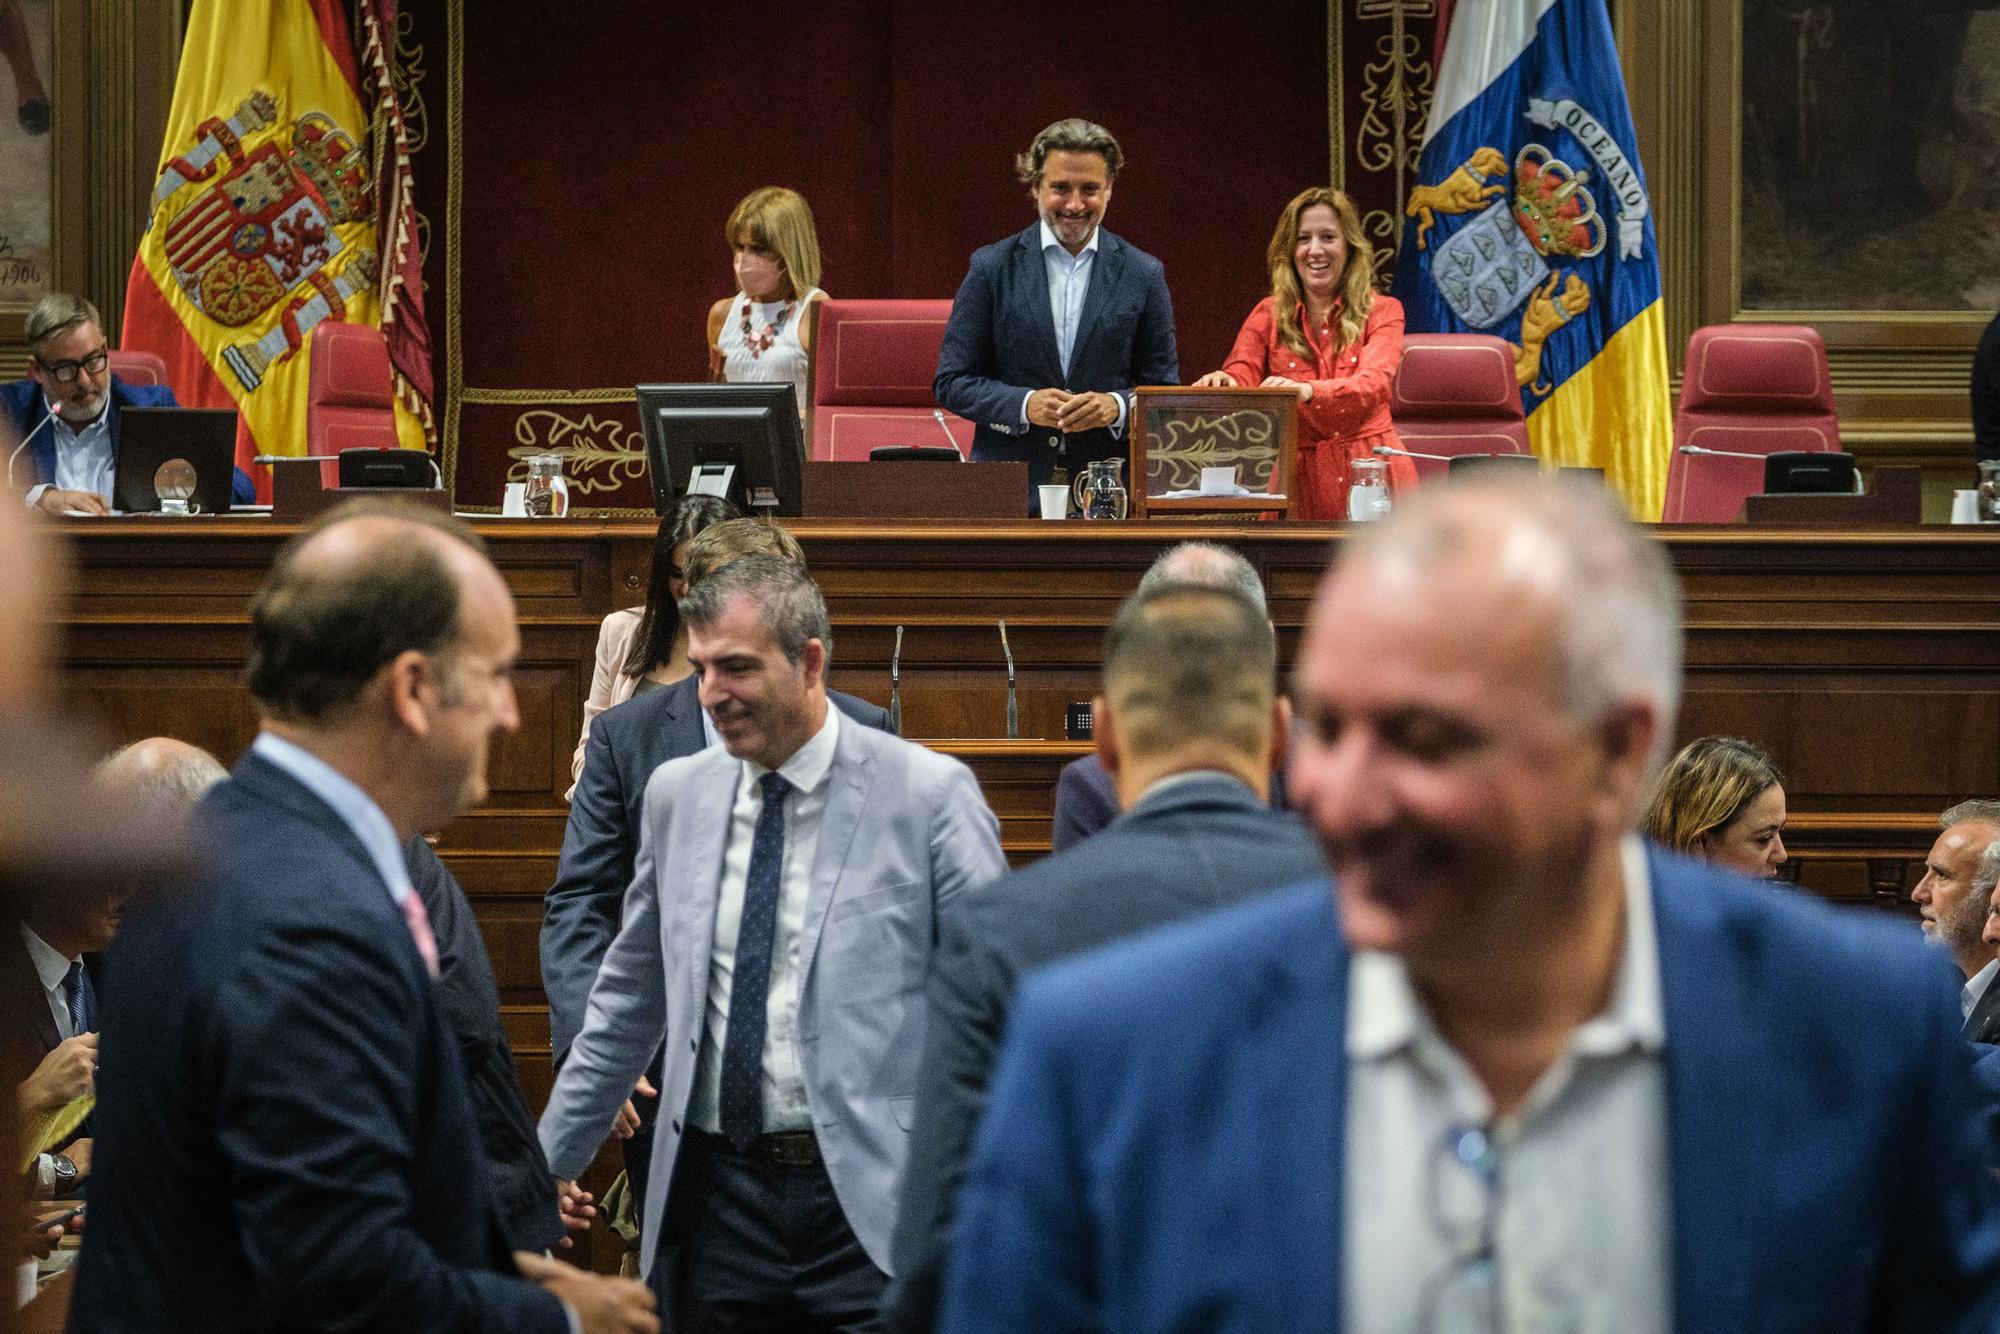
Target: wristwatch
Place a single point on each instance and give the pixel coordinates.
(65, 1171)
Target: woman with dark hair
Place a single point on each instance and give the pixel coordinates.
(642, 648)
(1326, 332)
(1722, 800)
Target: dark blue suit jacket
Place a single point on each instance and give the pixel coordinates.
(28, 407)
(284, 1138)
(1163, 1148)
(1183, 850)
(1001, 343)
(581, 911)
(1087, 801)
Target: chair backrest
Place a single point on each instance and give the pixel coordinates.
(873, 363)
(135, 367)
(350, 401)
(1747, 389)
(1457, 394)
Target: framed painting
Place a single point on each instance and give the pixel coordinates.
(27, 204)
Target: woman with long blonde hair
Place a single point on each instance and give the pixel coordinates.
(764, 333)
(1327, 333)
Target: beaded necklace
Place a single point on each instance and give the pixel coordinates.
(757, 342)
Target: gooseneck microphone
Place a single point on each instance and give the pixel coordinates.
(24, 444)
(1013, 706)
(896, 685)
(937, 415)
(1387, 450)
(1720, 453)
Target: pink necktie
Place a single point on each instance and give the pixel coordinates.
(420, 930)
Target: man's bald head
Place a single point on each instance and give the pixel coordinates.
(1205, 565)
(345, 597)
(1564, 547)
(159, 775)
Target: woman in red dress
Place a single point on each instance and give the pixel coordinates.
(1326, 332)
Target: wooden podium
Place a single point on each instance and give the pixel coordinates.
(299, 492)
(1177, 432)
(909, 490)
(1894, 497)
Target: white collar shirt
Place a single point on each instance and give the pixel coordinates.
(1578, 1215)
(51, 968)
(809, 771)
(1975, 988)
(1069, 284)
(356, 809)
(85, 460)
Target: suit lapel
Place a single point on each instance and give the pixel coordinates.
(1299, 1064)
(704, 839)
(1105, 271)
(683, 730)
(1983, 1024)
(1032, 277)
(848, 782)
(1715, 1113)
(36, 1000)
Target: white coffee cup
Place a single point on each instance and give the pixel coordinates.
(1965, 506)
(1218, 481)
(514, 503)
(1054, 500)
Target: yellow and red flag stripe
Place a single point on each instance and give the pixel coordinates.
(263, 219)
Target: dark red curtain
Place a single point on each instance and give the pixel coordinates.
(599, 149)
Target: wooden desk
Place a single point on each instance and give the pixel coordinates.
(1868, 662)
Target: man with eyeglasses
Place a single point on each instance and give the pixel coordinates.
(1508, 1067)
(64, 416)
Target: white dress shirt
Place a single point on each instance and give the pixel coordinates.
(786, 1106)
(356, 809)
(1975, 987)
(1580, 1217)
(85, 460)
(50, 970)
(1069, 284)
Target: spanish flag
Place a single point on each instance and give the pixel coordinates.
(263, 219)
(1532, 221)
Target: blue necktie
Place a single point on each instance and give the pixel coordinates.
(742, 1110)
(76, 989)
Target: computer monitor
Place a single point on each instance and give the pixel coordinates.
(751, 430)
(1801, 472)
(189, 451)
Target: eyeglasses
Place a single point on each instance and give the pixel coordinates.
(67, 371)
(1463, 1195)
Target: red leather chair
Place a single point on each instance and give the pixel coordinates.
(873, 363)
(350, 392)
(135, 367)
(1456, 394)
(1747, 389)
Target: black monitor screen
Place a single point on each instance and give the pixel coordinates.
(1803, 472)
(755, 427)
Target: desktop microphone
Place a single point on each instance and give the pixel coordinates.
(1013, 708)
(1720, 453)
(896, 685)
(24, 444)
(938, 415)
(1386, 450)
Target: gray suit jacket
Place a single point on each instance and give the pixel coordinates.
(1182, 850)
(601, 839)
(905, 832)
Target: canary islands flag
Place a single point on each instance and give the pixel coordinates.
(262, 219)
(1532, 221)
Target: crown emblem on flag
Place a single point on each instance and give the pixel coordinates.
(1554, 206)
(328, 157)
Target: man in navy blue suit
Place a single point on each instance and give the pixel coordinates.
(66, 412)
(285, 1139)
(1512, 1068)
(1054, 326)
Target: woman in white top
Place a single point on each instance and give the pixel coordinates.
(642, 648)
(762, 334)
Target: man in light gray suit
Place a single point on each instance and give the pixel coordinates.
(802, 864)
